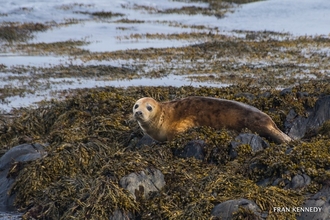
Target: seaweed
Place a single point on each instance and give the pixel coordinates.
(12, 32)
(90, 148)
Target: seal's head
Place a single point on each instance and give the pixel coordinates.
(145, 109)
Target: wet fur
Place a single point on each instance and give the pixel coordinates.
(167, 119)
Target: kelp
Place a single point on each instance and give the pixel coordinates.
(90, 138)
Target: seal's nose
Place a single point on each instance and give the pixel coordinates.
(138, 113)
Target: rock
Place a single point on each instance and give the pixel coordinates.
(226, 210)
(265, 95)
(301, 95)
(325, 129)
(121, 215)
(299, 181)
(6, 215)
(192, 149)
(247, 95)
(144, 182)
(264, 182)
(286, 91)
(6, 200)
(146, 140)
(320, 115)
(295, 125)
(256, 166)
(277, 182)
(20, 153)
(298, 126)
(139, 184)
(319, 203)
(255, 141)
(290, 119)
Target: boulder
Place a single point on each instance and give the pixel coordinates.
(255, 141)
(146, 140)
(139, 184)
(144, 182)
(121, 215)
(227, 209)
(297, 126)
(319, 203)
(299, 181)
(301, 95)
(193, 148)
(286, 91)
(265, 95)
(21, 153)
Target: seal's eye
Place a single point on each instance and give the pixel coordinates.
(136, 106)
(149, 108)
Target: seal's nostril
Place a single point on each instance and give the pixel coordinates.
(138, 113)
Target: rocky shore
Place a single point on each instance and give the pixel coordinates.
(74, 152)
(84, 157)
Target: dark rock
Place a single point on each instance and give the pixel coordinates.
(325, 129)
(265, 95)
(286, 91)
(301, 95)
(121, 215)
(144, 182)
(8, 215)
(226, 210)
(297, 182)
(146, 140)
(20, 153)
(289, 150)
(246, 95)
(298, 126)
(264, 182)
(319, 203)
(320, 114)
(192, 149)
(300, 181)
(277, 182)
(257, 167)
(255, 141)
(6, 200)
(290, 119)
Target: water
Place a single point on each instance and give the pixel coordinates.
(298, 17)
